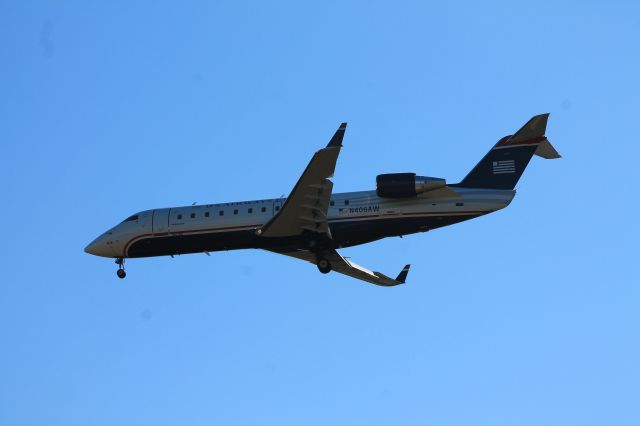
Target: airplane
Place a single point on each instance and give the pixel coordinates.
(312, 223)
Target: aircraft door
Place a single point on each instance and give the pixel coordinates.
(277, 205)
(161, 221)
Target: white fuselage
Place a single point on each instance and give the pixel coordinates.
(354, 218)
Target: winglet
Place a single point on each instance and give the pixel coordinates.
(402, 276)
(336, 140)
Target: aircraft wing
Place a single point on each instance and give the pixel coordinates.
(346, 267)
(306, 207)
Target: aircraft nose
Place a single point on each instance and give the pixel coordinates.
(99, 247)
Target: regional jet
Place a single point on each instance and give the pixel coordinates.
(312, 223)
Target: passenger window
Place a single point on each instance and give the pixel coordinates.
(264, 209)
(235, 211)
(206, 214)
(250, 210)
(221, 213)
(193, 215)
(179, 216)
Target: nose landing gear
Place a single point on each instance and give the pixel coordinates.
(121, 273)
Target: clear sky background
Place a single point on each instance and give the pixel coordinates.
(528, 316)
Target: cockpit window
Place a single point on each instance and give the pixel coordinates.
(130, 218)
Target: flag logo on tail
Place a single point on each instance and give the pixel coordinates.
(505, 166)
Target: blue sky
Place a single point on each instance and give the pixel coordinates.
(528, 316)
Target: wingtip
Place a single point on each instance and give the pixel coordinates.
(402, 276)
(336, 140)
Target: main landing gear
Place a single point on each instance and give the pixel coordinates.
(121, 273)
(324, 265)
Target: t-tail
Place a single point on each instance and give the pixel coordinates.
(502, 167)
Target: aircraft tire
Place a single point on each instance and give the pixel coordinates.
(324, 266)
(121, 273)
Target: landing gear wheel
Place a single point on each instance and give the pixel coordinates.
(324, 266)
(121, 273)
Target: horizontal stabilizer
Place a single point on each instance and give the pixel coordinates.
(546, 150)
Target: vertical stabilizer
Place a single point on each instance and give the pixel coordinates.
(503, 165)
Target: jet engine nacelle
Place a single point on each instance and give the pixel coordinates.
(403, 185)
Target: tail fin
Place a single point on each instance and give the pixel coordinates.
(502, 167)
